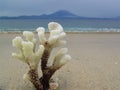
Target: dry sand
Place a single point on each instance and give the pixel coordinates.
(95, 64)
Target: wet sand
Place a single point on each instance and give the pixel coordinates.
(95, 63)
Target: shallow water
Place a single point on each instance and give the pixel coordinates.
(73, 25)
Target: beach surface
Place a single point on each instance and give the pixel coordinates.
(95, 63)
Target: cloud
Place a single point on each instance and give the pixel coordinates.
(98, 8)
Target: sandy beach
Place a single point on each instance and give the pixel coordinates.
(95, 63)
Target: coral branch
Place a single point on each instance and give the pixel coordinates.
(45, 79)
(33, 75)
(28, 55)
(44, 59)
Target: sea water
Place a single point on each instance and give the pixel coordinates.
(70, 25)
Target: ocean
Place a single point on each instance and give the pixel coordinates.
(70, 25)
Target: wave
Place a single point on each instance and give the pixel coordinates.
(16, 30)
(92, 29)
(73, 29)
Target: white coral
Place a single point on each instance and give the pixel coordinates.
(55, 26)
(56, 35)
(26, 50)
(28, 55)
(17, 42)
(41, 34)
(61, 58)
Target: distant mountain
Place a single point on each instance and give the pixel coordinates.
(62, 14)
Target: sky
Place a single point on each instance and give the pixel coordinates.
(87, 8)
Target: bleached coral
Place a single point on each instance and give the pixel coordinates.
(26, 50)
(56, 35)
(61, 58)
(41, 34)
(28, 55)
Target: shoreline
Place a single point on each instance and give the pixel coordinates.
(20, 32)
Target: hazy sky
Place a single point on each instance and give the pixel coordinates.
(90, 8)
